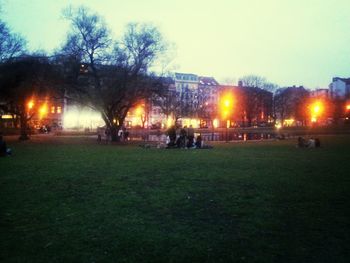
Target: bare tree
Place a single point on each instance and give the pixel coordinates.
(256, 81)
(290, 103)
(169, 103)
(281, 101)
(256, 102)
(252, 81)
(11, 45)
(115, 75)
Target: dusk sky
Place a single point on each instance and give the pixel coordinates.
(290, 42)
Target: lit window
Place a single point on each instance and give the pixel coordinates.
(59, 109)
(53, 109)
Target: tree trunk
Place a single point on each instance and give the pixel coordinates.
(24, 126)
(114, 134)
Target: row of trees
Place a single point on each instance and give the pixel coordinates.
(109, 76)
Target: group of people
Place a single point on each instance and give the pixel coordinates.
(45, 129)
(106, 133)
(183, 138)
(123, 134)
(310, 143)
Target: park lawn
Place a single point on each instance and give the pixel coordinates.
(72, 200)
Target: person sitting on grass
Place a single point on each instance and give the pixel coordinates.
(4, 151)
(317, 142)
(311, 143)
(302, 142)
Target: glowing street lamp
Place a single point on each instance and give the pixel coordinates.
(140, 112)
(227, 105)
(43, 111)
(30, 104)
(317, 109)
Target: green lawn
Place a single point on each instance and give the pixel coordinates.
(72, 200)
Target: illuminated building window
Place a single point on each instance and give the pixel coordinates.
(53, 109)
(59, 110)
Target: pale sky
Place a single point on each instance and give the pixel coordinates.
(290, 42)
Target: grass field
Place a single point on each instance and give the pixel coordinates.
(72, 200)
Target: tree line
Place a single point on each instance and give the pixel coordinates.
(110, 75)
(91, 69)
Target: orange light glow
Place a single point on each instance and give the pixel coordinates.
(7, 116)
(317, 108)
(139, 111)
(169, 122)
(43, 111)
(226, 105)
(348, 107)
(30, 104)
(288, 122)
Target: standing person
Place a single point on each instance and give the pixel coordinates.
(108, 135)
(120, 134)
(182, 139)
(126, 134)
(171, 132)
(190, 136)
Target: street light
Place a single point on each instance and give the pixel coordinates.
(140, 113)
(317, 109)
(30, 104)
(43, 111)
(227, 104)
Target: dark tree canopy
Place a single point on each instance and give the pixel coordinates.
(290, 103)
(23, 78)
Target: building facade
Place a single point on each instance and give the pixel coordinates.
(208, 100)
(340, 88)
